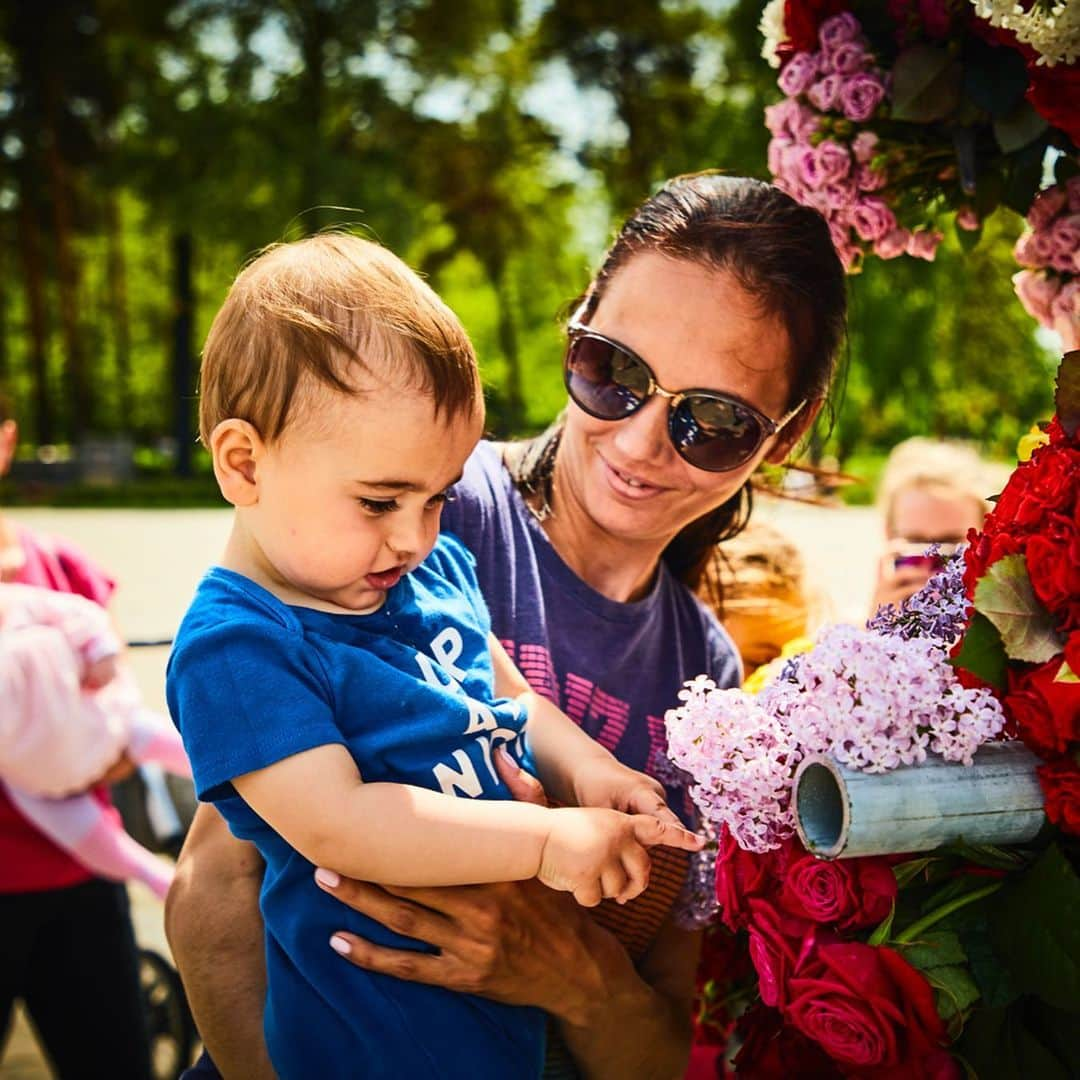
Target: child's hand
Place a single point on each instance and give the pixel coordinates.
(99, 673)
(597, 854)
(611, 784)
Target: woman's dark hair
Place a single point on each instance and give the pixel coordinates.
(781, 253)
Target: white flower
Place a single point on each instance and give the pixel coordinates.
(772, 28)
(1050, 27)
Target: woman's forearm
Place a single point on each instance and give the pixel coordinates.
(617, 1024)
(215, 931)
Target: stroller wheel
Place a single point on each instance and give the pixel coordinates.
(169, 1021)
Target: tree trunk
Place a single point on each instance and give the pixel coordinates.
(183, 373)
(34, 286)
(117, 275)
(81, 411)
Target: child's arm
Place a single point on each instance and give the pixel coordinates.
(397, 834)
(573, 767)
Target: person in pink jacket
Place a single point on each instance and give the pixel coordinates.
(69, 711)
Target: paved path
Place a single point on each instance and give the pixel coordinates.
(158, 557)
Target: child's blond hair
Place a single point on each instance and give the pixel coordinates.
(947, 470)
(306, 312)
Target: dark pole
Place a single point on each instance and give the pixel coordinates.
(183, 382)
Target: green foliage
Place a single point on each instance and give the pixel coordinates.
(1006, 597)
(227, 124)
(983, 652)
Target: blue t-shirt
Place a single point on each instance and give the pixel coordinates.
(614, 668)
(409, 691)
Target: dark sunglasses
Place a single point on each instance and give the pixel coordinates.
(710, 430)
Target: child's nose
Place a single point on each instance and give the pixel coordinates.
(407, 538)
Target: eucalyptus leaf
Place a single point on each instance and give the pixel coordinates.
(982, 652)
(1019, 129)
(926, 84)
(1005, 596)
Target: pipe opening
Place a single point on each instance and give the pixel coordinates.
(820, 806)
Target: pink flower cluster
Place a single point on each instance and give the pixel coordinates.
(816, 165)
(872, 702)
(1049, 250)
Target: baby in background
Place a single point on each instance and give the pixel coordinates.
(338, 688)
(68, 711)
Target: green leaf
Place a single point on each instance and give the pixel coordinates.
(926, 84)
(1005, 596)
(881, 932)
(1066, 674)
(934, 949)
(991, 974)
(994, 79)
(982, 652)
(1019, 129)
(989, 855)
(1035, 928)
(906, 871)
(1067, 392)
(956, 990)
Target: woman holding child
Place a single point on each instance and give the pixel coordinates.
(704, 346)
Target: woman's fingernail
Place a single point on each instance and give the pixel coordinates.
(327, 878)
(505, 755)
(340, 945)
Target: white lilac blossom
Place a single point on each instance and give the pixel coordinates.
(873, 702)
(1050, 27)
(771, 27)
(938, 611)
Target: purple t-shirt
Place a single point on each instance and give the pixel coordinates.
(615, 668)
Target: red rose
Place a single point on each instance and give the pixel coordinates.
(772, 1050)
(1072, 652)
(1045, 713)
(849, 893)
(801, 21)
(1047, 483)
(1061, 789)
(871, 1011)
(743, 874)
(1053, 93)
(982, 552)
(778, 942)
(1053, 564)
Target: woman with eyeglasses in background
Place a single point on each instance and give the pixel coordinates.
(704, 346)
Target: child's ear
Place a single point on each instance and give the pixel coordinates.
(793, 431)
(236, 448)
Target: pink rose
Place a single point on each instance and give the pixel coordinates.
(864, 145)
(778, 116)
(967, 219)
(810, 173)
(892, 245)
(823, 94)
(860, 95)
(1065, 237)
(838, 30)
(1065, 313)
(1036, 292)
(1027, 252)
(1072, 190)
(840, 195)
(798, 74)
(777, 146)
(804, 122)
(1046, 206)
(849, 57)
(872, 219)
(870, 179)
(924, 244)
(834, 162)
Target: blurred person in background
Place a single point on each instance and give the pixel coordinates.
(931, 492)
(67, 947)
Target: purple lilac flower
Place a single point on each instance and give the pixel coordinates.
(938, 611)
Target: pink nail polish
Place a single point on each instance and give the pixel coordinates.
(340, 945)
